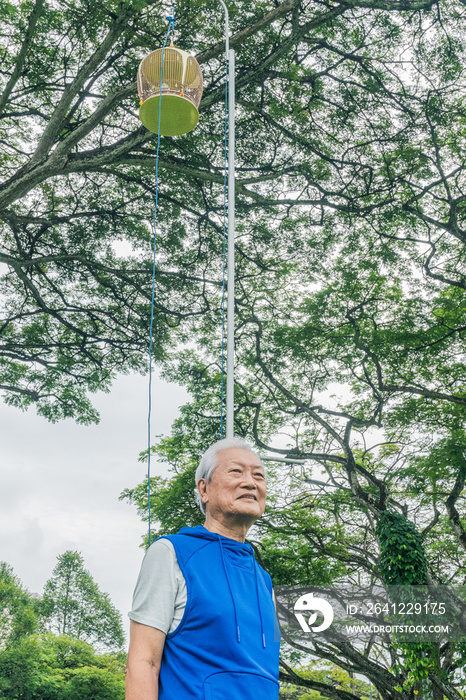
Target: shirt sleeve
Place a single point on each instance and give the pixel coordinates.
(155, 595)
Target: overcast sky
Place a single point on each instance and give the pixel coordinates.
(60, 485)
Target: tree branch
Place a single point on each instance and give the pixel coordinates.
(453, 515)
(21, 57)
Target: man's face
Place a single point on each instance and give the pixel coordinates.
(238, 487)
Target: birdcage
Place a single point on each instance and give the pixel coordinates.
(181, 91)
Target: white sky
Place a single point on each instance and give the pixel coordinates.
(59, 486)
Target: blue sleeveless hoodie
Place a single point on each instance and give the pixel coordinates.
(225, 646)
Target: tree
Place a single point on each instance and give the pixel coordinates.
(77, 169)
(35, 665)
(50, 667)
(18, 609)
(75, 606)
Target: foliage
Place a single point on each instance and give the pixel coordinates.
(336, 133)
(18, 609)
(74, 604)
(35, 665)
(49, 667)
(402, 558)
(403, 564)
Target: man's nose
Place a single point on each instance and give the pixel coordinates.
(248, 480)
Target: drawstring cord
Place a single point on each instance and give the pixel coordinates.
(259, 605)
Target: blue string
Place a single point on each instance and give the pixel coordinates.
(171, 27)
(224, 248)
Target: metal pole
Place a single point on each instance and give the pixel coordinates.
(230, 57)
(231, 249)
(227, 29)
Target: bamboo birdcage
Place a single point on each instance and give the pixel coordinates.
(181, 91)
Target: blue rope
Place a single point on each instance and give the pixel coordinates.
(171, 27)
(224, 249)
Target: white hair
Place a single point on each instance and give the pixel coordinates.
(209, 461)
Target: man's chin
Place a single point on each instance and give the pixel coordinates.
(247, 513)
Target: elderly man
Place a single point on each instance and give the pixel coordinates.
(202, 623)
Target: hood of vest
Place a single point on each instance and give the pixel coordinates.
(239, 554)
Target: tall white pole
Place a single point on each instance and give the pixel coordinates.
(231, 248)
(227, 29)
(230, 57)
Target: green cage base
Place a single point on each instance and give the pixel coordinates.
(178, 115)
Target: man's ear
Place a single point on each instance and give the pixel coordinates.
(202, 488)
